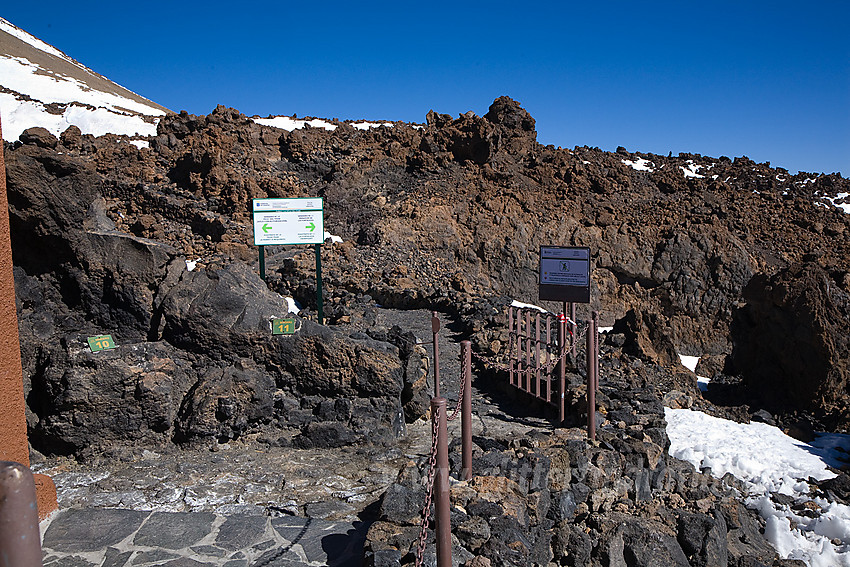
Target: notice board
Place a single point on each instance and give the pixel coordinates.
(565, 274)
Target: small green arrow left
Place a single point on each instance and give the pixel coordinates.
(266, 228)
(311, 226)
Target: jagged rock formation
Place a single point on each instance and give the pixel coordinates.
(792, 343)
(553, 499)
(434, 215)
(691, 255)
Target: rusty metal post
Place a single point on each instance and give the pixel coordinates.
(443, 529)
(528, 355)
(548, 358)
(562, 371)
(537, 355)
(591, 384)
(435, 330)
(595, 317)
(20, 541)
(573, 330)
(466, 411)
(510, 354)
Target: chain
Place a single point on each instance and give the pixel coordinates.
(548, 367)
(490, 363)
(460, 396)
(426, 510)
(582, 334)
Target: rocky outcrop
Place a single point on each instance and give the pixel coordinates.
(195, 360)
(791, 342)
(694, 255)
(215, 374)
(442, 215)
(557, 499)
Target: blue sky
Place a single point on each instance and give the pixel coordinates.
(769, 80)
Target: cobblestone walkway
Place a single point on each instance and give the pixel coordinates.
(123, 538)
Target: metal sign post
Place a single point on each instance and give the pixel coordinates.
(291, 221)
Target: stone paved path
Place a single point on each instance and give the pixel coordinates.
(123, 538)
(113, 518)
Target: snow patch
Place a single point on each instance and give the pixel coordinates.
(768, 461)
(14, 30)
(22, 76)
(333, 238)
(522, 305)
(141, 143)
(292, 305)
(639, 164)
(367, 125)
(191, 264)
(692, 170)
(289, 124)
(18, 116)
(844, 206)
(689, 362)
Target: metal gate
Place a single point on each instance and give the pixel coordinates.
(537, 352)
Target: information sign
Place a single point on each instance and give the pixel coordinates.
(565, 274)
(283, 326)
(288, 221)
(101, 342)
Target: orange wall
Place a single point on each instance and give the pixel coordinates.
(13, 420)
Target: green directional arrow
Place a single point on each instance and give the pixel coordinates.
(311, 226)
(266, 228)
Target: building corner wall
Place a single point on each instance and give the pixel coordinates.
(14, 445)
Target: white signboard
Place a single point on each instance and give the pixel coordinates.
(288, 221)
(565, 266)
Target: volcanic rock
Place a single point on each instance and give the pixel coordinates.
(791, 341)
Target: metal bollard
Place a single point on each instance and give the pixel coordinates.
(435, 330)
(443, 529)
(591, 383)
(466, 411)
(20, 541)
(573, 331)
(562, 370)
(595, 317)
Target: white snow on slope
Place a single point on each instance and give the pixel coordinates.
(334, 238)
(23, 76)
(690, 362)
(692, 170)
(845, 205)
(18, 116)
(368, 125)
(767, 461)
(292, 305)
(93, 111)
(522, 305)
(11, 29)
(639, 164)
(289, 124)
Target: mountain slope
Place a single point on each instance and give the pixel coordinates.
(41, 86)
